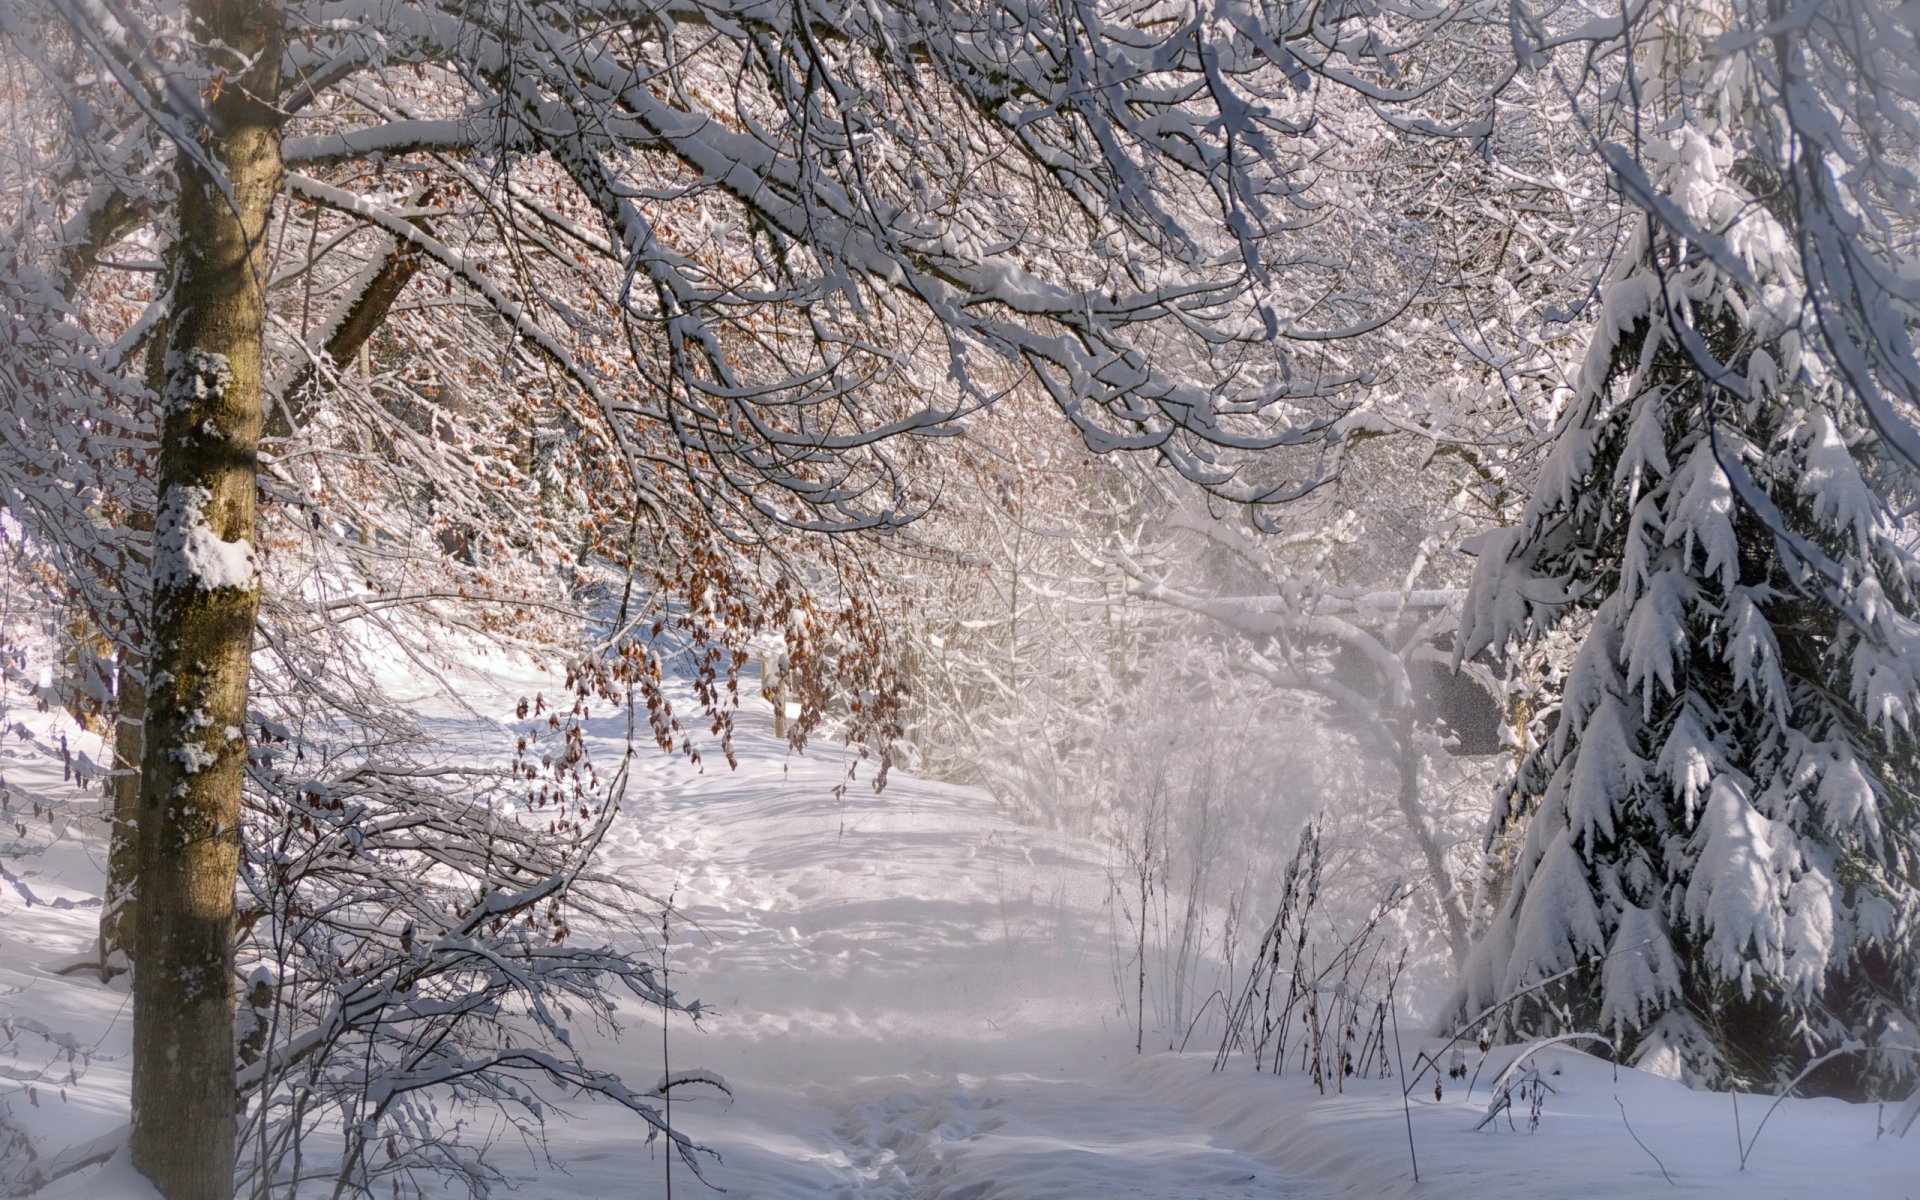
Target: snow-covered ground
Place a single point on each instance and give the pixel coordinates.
(912, 996)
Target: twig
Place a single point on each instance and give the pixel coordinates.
(1905, 1115)
(666, 1026)
(1638, 1142)
(73, 1160)
(1739, 1138)
(1510, 997)
(1406, 1104)
(1810, 1068)
(1204, 1005)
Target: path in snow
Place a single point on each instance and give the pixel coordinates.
(915, 996)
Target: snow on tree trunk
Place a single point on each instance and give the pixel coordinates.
(1721, 830)
(205, 599)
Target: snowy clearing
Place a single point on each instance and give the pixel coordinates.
(913, 997)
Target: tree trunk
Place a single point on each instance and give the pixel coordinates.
(117, 921)
(118, 924)
(205, 600)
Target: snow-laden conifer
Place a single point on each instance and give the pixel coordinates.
(1720, 830)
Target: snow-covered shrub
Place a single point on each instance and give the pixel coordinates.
(410, 954)
(410, 975)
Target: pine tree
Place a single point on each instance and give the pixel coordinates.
(1721, 833)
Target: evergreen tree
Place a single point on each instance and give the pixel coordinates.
(1721, 831)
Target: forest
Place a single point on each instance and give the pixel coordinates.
(1169, 598)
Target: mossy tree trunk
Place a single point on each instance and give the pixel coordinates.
(205, 601)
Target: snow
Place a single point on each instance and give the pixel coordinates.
(1558, 922)
(1833, 485)
(1641, 974)
(1731, 894)
(391, 139)
(187, 550)
(195, 378)
(194, 758)
(1704, 517)
(908, 995)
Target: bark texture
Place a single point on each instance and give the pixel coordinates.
(205, 601)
